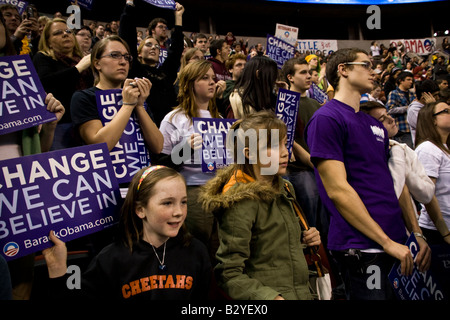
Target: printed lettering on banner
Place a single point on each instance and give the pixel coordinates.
(286, 110)
(286, 33)
(214, 153)
(279, 50)
(162, 56)
(130, 154)
(418, 286)
(166, 4)
(312, 46)
(419, 46)
(22, 97)
(20, 5)
(71, 191)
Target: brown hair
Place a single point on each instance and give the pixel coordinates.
(426, 130)
(99, 49)
(337, 58)
(239, 139)
(186, 95)
(130, 225)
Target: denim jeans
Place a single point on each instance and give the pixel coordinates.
(307, 195)
(365, 275)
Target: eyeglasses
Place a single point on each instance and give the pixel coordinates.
(117, 56)
(366, 64)
(84, 35)
(446, 110)
(60, 32)
(151, 45)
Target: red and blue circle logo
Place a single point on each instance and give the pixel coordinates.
(428, 45)
(11, 249)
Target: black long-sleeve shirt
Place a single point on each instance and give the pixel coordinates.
(162, 96)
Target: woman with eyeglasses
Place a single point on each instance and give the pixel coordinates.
(62, 69)
(84, 39)
(432, 147)
(163, 97)
(110, 63)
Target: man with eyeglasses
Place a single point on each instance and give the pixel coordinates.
(162, 96)
(158, 29)
(19, 28)
(349, 150)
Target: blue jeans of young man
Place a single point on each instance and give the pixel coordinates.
(307, 195)
(365, 274)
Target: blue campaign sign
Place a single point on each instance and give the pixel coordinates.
(418, 286)
(287, 110)
(130, 154)
(162, 56)
(279, 50)
(215, 155)
(72, 191)
(20, 5)
(166, 4)
(22, 97)
(87, 4)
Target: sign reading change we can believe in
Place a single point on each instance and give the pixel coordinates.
(130, 154)
(72, 191)
(22, 97)
(167, 4)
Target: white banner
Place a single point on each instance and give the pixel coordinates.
(325, 46)
(419, 46)
(286, 33)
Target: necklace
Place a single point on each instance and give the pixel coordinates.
(161, 266)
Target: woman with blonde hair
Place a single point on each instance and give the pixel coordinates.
(196, 99)
(432, 148)
(62, 70)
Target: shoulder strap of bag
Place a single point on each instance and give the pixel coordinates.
(314, 250)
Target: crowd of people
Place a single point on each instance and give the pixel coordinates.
(370, 161)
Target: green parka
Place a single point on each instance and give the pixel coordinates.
(260, 255)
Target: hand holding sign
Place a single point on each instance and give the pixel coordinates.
(56, 257)
(54, 106)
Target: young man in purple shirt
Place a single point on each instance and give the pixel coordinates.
(349, 150)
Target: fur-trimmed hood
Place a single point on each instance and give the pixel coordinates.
(214, 200)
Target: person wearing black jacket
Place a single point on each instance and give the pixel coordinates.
(162, 97)
(154, 257)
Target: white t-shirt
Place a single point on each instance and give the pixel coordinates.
(375, 51)
(176, 129)
(437, 165)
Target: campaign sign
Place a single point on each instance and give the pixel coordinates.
(215, 155)
(20, 5)
(162, 56)
(22, 97)
(279, 50)
(166, 4)
(286, 33)
(418, 286)
(286, 110)
(71, 191)
(130, 154)
(87, 4)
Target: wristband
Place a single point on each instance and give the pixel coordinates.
(129, 103)
(448, 234)
(417, 234)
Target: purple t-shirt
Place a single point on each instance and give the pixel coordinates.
(336, 132)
